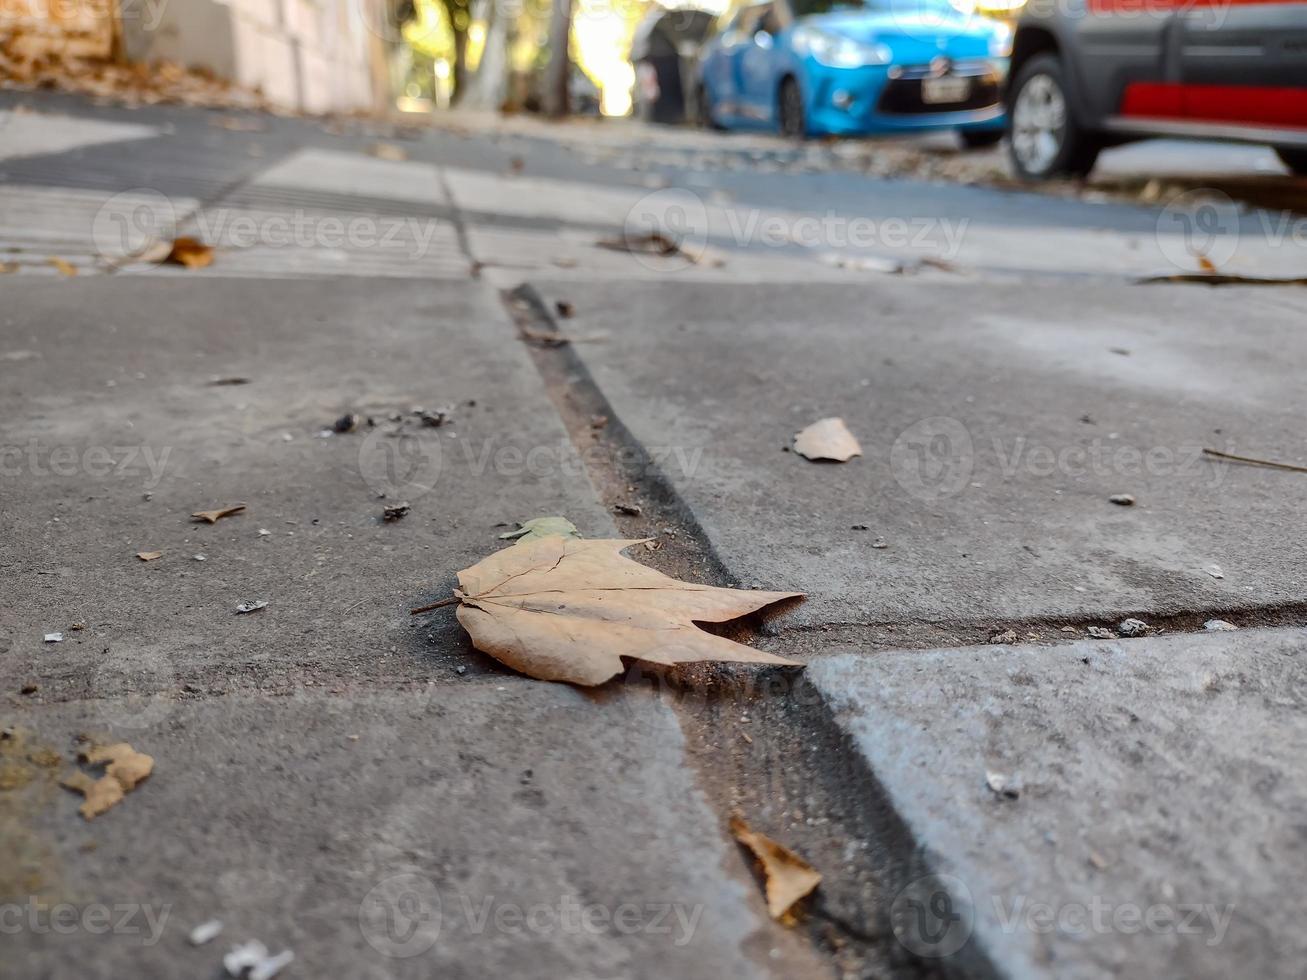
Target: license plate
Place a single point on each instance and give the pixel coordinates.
(935, 91)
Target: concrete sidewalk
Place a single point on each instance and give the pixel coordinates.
(336, 776)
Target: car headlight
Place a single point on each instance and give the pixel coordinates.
(834, 51)
(1000, 44)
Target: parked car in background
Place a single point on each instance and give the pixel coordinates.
(856, 67)
(1088, 74)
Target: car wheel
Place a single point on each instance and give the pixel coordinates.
(979, 139)
(1045, 138)
(790, 110)
(1293, 157)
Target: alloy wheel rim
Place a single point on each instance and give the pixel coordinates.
(1038, 123)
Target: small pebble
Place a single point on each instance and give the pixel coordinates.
(1219, 626)
(205, 932)
(1007, 636)
(1132, 627)
(1002, 785)
(54, 637)
(1215, 571)
(249, 606)
(1122, 499)
(1099, 633)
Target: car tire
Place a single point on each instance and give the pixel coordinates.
(789, 110)
(1045, 139)
(979, 139)
(1293, 157)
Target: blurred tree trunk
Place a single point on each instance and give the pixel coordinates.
(459, 17)
(559, 70)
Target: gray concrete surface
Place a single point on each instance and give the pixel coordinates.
(995, 422)
(1157, 829)
(393, 836)
(114, 436)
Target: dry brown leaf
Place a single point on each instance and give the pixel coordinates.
(1206, 264)
(788, 877)
(190, 252)
(654, 243)
(827, 439)
(563, 609)
(125, 764)
(213, 516)
(65, 267)
(149, 555)
(126, 768)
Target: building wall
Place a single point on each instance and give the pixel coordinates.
(308, 55)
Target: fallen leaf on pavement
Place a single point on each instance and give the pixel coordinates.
(542, 527)
(126, 769)
(827, 439)
(65, 267)
(788, 877)
(190, 252)
(562, 609)
(394, 512)
(149, 555)
(654, 243)
(213, 516)
(1206, 264)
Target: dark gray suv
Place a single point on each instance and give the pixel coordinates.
(1088, 74)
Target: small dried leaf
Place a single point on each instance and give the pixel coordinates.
(65, 267)
(149, 555)
(788, 877)
(561, 609)
(190, 252)
(213, 516)
(1206, 264)
(828, 439)
(124, 763)
(127, 768)
(542, 527)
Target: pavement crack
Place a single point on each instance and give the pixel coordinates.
(763, 742)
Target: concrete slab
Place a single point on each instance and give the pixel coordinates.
(35, 133)
(497, 830)
(1156, 826)
(996, 422)
(114, 434)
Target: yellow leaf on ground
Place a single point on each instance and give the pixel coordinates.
(65, 267)
(126, 768)
(149, 555)
(563, 609)
(190, 252)
(788, 877)
(827, 439)
(213, 516)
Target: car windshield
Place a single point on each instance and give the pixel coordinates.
(805, 8)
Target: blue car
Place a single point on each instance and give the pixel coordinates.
(854, 68)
